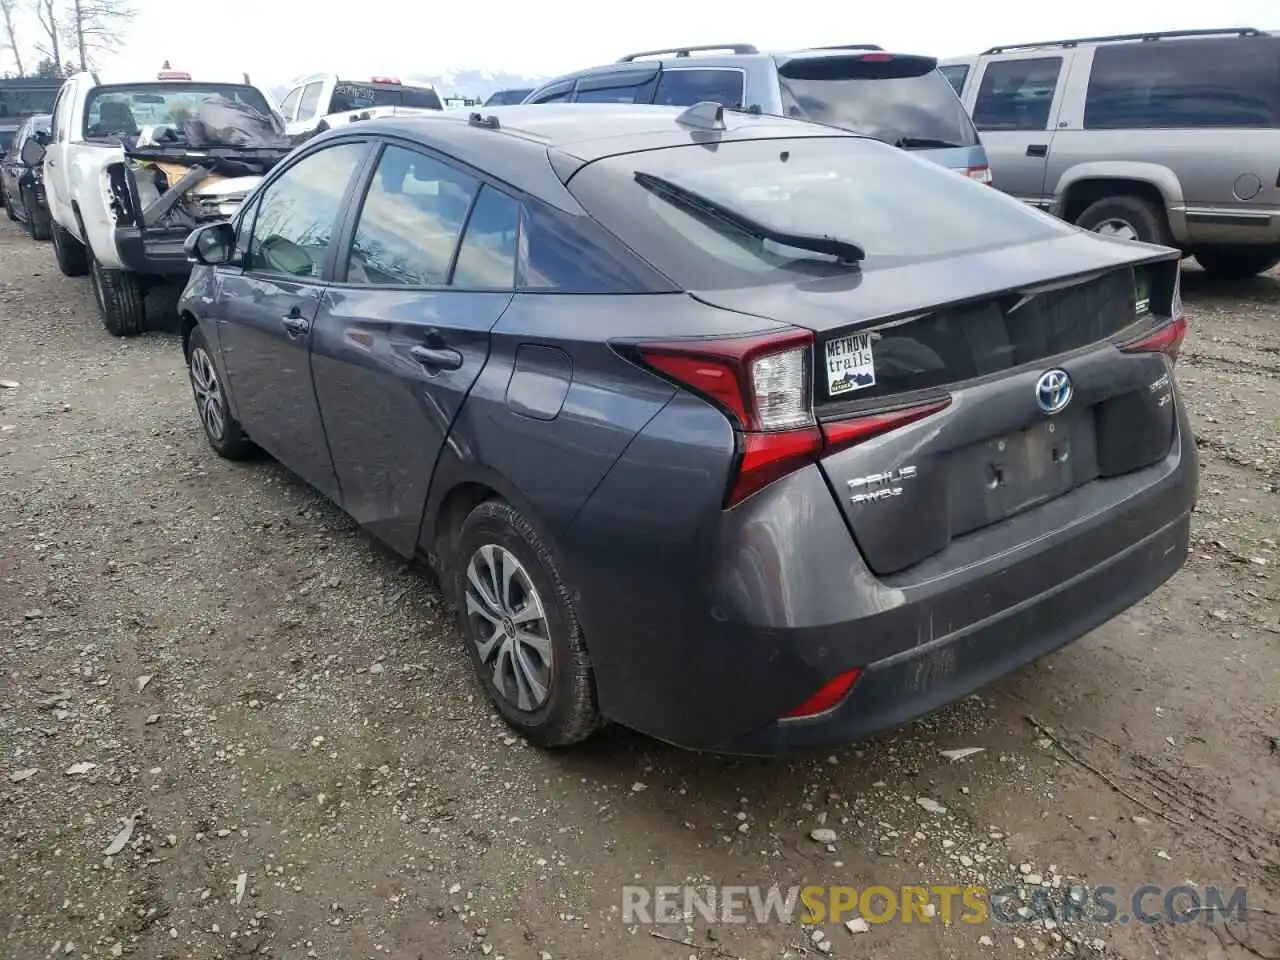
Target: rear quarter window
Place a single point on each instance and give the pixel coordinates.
(1232, 82)
(900, 209)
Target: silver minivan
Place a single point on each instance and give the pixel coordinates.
(1170, 138)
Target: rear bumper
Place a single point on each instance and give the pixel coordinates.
(919, 681)
(706, 626)
(154, 252)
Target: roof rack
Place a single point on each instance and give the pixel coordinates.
(1145, 37)
(851, 46)
(686, 51)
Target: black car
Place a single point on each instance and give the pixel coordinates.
(22, 183)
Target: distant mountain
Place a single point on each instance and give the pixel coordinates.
(453, 83)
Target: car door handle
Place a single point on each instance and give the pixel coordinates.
(295, 323)
(437, 358)
(1038, 150)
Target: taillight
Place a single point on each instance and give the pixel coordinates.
(828, 695)
(763, 385)
(982, 174)
(1166, 339)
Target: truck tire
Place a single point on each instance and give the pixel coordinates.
(1236, 263)
(121, 300)
(1124, 215)
(72, 259)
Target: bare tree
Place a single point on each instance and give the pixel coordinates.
(7, 9)
(96, 26)
(49, 16)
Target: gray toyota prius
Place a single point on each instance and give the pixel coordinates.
(747, 433)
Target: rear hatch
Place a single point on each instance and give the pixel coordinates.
(901, 99)
(1011, 394)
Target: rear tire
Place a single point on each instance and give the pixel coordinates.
(518, 623)
(221, 429)
(1129, 217)
(1227, 263)
(72, 258)
(121, 300)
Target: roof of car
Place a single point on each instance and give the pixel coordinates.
(714, 60)
(517, 150)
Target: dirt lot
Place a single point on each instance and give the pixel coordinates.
(314, 774)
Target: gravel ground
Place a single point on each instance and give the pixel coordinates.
(213, 657)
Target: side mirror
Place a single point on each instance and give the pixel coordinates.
(32, 152)
(211, 245)
(43, 138)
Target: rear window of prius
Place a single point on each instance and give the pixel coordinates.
(900, 209)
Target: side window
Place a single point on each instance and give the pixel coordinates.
(291, 103)
(1204, 83)
(244, 221)
(682, 88)
(625, 94)
(310, 100)
(409, 224)
(555, 94)
(1016, 94)
(563, 253)
(298, 212)
(487, 254)
(955, 74)
(61, 107)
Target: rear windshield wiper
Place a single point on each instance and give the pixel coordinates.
(843, 250)
(924, 143)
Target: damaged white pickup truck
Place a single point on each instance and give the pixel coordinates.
(133, 167)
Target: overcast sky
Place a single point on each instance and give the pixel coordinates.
(277, 40)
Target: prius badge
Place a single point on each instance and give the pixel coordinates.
(1054, 391)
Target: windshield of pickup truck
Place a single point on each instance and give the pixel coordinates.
(22, 98)
(122, 111)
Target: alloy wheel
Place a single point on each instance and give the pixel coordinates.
(509, 627)
(208, 392)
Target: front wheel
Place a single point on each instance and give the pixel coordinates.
(121, 300)
(37, 218)
(1236, 264)
(72, 259)
(520, 628)
(221, 429)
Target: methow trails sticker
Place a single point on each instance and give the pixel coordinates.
(850, 365)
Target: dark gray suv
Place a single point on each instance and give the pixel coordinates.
(899, 98)
(707, 432)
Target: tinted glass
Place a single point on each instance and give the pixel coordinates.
(6, 140)
(487, 255)
(359, 96)
(832, 186)
(120, 111)
(609, 95)
(876, 99)
(555, 94)
(297, 215)
(1185, 83)
(1016, 94)
(955, 75)
(682, 88)
(310, 101)
(290, 102)
(410, 221)
(20, 99)
(506, 97)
